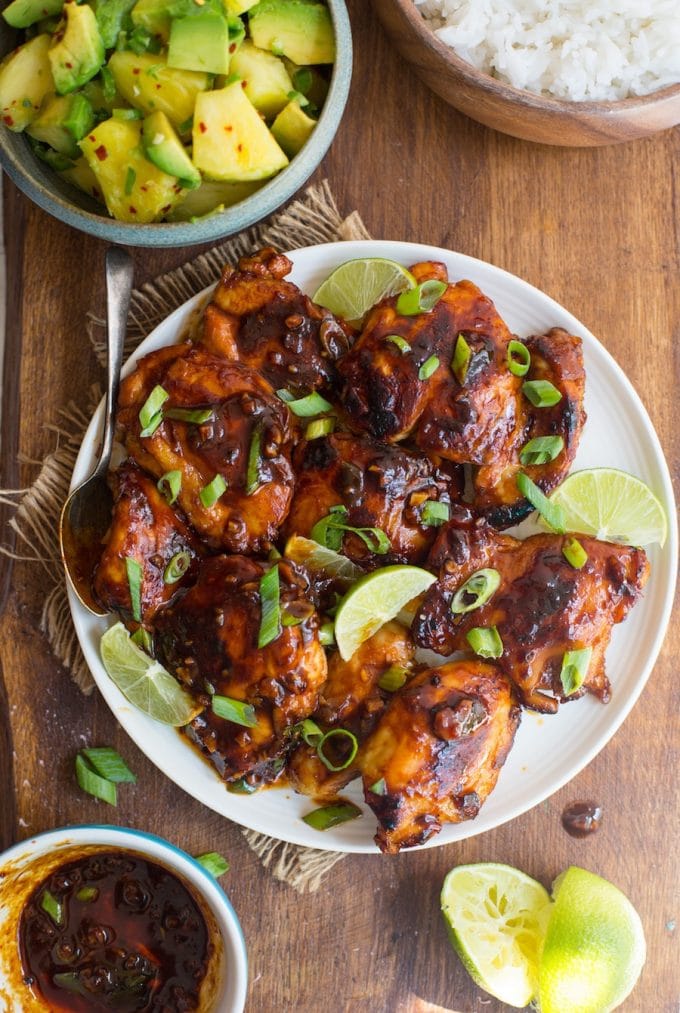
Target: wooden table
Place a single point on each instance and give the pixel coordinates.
(599, 230)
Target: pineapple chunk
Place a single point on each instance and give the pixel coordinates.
(265, 78)
(150, 85)
(212, 197)
(25, 79)
(81, 176)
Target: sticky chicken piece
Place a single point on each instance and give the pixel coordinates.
(244, 444)
(146, 529)
(258, 318)
(542, 608)
(380, 487)
(437, 750)
(209, 640)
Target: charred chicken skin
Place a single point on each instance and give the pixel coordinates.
(542, 608)
(437, 750)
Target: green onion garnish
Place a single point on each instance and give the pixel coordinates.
(108, 84)
(393, 678)
(169, 485)
(541, 450)
(177, 567)
(433, 513)
(297, 96)
(476, 591)
(211, 492)
(150, 415)
(93, 784)
(109, 764)
(331, 815)
(270, 622)
(319, 427)
(305, 407)
(238, 711)
(87, 894)
(241, 786)
(329, 532)
(335, 733)
(519, 358)
(134, 578)
(198, 416)
(52, 907)
(185, 127)
(130, 179)
(552, 513)
(379, 787)
(302, 79)
(127, 114)
(309, 731)
(574, 670)
(541, 393)
(327, 634)
(213, 863)
(429, 367)
(142, 638)
(574, 553)
(421, 299)
(461, 359)
(401, 343)
(253, 481)
(485, 641)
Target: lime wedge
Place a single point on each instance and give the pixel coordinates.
(143, 681)
(320, 559)
(373, 601)
(353, 287)
(497, 917)
(611, 505)
(594, 948)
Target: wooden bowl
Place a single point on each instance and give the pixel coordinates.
(516, 112)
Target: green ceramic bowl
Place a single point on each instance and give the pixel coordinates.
(72, 206)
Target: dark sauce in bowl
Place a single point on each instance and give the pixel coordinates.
(581, 819)
(114, 931)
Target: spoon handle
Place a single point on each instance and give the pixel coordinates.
(119, 272)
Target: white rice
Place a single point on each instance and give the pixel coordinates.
(570, 49)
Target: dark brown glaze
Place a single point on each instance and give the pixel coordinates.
(267, 323)
(208, 640)
(243, 405)
(144, 528)
(381, 487)
(139, 943)
(543, 607)
(582, 819)
(438, 747)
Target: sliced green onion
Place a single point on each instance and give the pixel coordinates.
(214, 863)
(319, 427)
(335, 733)
(238, 711)
(93, 784)
(393, 678)
(429, 367)
(421, 299)
(329, 816)
(541, 450)
(329, 532)
(270, 622)
(127, 114)
(462, 354)
(134, 578)
(177, 567)
(198, 416)
(541, 393)
(87, 894)
(379, 787)
(401, 343)
(52, 907)
(433, 513)
(108, 84)
(109, 764)
(169, 485)
(297, 96)
(476, 591)
(574, 670)
(574, 553)
(302, 79)
(142, 638)
(253, 481)
(552, 513)
(150, 414)
(241, 786)
(485, 641)
(519, 358)
(309, 731)
(130, 180)
(327, 634)
(305, 407)
(211, 492)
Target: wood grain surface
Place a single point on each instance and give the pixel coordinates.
(597, 229)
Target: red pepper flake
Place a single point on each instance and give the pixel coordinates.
(133, 211)
(239, 147)
(177, 188)
(232, 47)
(69, 65)
(165, 210)
(101, 153)
(143, 188)
(136, 70)
(202, 127)
(228, 128)
(8, 120)
(244, 83)
(92, 137)
(158, 86)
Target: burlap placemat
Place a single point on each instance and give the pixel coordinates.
(312, 219)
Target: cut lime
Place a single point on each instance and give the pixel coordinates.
(320, 559)
(594, 948)
(353, 287)
(373, 601)
(143, 681)
(611, 505)
(497, 917)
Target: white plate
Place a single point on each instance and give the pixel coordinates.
(548, 751)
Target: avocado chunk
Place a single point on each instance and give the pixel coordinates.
(77, 51)
(231, 141)
(200, 42)
(292, 128)
(111, 15)
(147, 83)
(25, 79)
(265, 78)
(63, 120)
(163, 147)
(22, 13)
(301, 31)
(212, 196)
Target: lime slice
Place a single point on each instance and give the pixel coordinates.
(611, 505)
(594, 948)
(497, 917)
(355, 286)
(373, 601)
(320, 559)
(143, 681)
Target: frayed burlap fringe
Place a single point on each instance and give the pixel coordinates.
(312, 219)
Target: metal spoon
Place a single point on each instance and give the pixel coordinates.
(86, 514)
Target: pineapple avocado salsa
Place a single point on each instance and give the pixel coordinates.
(167, 110)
